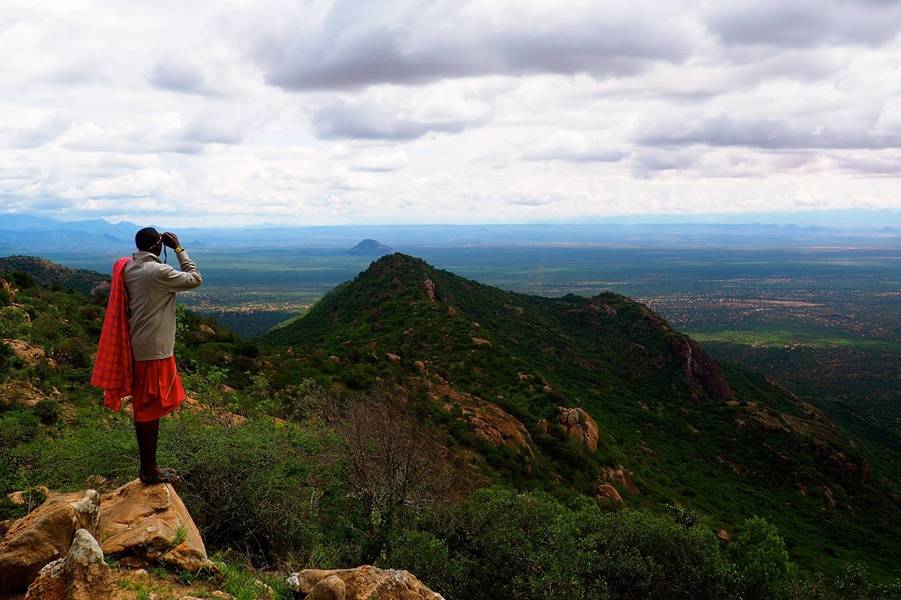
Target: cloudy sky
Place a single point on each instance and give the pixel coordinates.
(240, 112)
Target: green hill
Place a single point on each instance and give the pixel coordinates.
(49, 273)
(723, 441)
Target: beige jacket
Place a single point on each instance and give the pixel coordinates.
(151, 285)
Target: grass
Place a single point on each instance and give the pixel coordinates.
(765, 338)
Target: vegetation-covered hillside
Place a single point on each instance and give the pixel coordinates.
(412, 419)
(726, 443)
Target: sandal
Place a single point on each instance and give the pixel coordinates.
(163, 475)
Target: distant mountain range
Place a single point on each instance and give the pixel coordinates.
(21, 234)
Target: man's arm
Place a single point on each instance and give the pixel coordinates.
(177, 281)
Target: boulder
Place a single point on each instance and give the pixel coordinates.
(620, 475)
(44, 535)
(580, 426)
(362, 583)
(429, 287)
(81, 575)
(151, 522)
(607, 494)
(487, 420)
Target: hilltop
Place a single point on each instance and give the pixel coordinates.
(49, 273)
(673, 425)
(371, 248)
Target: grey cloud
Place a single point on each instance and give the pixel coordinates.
(341, 120)
(577, 156)
(427, 41)
(799, 23)
(180, 76)
(765, 133)
(32, 137)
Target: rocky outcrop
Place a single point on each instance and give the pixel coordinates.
(20, 393)
(429, 286)
(619, 475)
(81, 575)
(608, 495)
(701, 372)
(488, 421)
(44, 535)
(579, 426)
(28, 354)
(362, 583)
(151, 522)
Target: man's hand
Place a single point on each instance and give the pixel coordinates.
(170, 239)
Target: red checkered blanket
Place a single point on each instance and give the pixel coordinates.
(113, 365)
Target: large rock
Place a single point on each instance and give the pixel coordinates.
(487, 420)
(362, 583)
(152, 523)
(701, 372)
(81, 575)
(609, 496)
(580, 426)
(44, 535)
(619, 475)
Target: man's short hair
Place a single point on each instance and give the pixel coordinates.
(147, 238)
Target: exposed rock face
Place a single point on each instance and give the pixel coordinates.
(489, 421)
(608, 494)
(81, 575)
(580, 426)
(20, 393)
(701, 372)
(44, 535)
(151, 522)
(620, 475)
(28, 354)
(362, 583)
(429, 287)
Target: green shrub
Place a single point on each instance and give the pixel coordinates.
(504, 544)
(17, 426)
(48, 411)
(765, 569)
(13, 321)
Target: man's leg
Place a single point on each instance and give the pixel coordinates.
(148, 434)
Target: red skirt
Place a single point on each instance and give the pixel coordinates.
(156, 389)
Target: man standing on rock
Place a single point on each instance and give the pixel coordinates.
(135, 356)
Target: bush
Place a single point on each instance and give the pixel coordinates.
(48, 411)
(17, 426)
(268, 491)
(504, 544)
(762, 560)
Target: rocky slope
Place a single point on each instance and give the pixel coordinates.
(582, 391)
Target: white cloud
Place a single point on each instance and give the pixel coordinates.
(498, 110)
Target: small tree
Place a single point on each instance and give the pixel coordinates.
(395, 465)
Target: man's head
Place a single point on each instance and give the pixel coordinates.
(149, 240)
